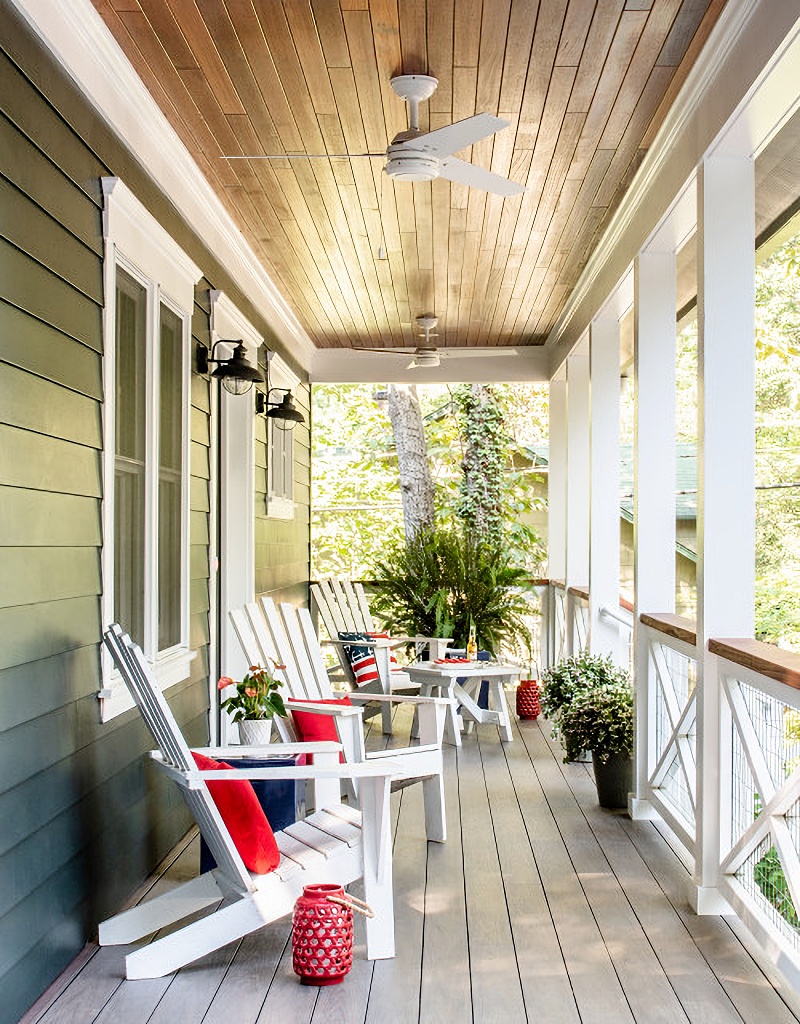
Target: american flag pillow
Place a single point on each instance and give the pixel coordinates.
(362, 659)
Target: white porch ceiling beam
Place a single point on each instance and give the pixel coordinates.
(350, 366)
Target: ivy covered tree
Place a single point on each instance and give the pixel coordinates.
(485, 444)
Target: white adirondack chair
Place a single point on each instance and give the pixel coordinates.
(290, 639)
(335, 844)
(343, 607)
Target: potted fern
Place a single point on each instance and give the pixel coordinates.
(443, 582)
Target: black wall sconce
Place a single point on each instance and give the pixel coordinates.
(236, 374)
(282, 413)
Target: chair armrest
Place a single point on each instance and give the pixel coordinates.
(358, 770)
(359, 643)
(331, 710)
(270, 749)
(400, 698)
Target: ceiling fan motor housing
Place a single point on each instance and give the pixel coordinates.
(404, 165)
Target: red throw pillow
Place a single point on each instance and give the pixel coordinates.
(244, 817)
(311, 728)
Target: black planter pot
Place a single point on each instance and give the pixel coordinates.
(614, 780)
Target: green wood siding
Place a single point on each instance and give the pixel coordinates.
(85, 819)
(85, 816)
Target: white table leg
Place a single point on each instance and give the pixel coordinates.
(501, 707)
(453, 729)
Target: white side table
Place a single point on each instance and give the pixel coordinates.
(440, 681)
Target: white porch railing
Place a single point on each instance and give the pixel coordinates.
(760, 780)
(758, 774)
(668, 742)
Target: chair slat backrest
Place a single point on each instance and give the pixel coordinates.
(136, 673)
(138, 677)
(363, 605)
(311, 644)
(302, 684)
(299, 627)
(328, 608)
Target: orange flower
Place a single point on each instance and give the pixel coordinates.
(251, 692)
(224, 681)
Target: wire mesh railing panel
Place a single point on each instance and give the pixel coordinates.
(763, 879)
(675, 744)
(772, 729)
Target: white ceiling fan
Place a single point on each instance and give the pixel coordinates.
(414, 155)
(427, 355)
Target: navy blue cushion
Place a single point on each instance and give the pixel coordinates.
(283, 800)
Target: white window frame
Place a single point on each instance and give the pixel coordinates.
(136, 243)
(280, 505)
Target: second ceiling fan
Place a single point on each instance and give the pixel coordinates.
(414, 155)
(427, 355)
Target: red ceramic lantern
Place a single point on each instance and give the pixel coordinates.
(322, 933)
(528, 704)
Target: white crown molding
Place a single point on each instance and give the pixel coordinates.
(228, 321)
(81, 42)
(353, 366)
(135, 232)
(677, 125)
(281, 375)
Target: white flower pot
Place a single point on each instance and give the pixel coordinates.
(255, 732)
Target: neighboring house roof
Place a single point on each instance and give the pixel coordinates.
(685, 483)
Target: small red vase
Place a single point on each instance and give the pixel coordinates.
(322, 935)
(528, 704)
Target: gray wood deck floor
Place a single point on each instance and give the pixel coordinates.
(540, 907)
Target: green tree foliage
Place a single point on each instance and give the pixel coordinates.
(778, 447)
(356, 502)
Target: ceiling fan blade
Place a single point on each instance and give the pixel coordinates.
(476, 177)
(451, 138)
(385, 351)
(300, 156)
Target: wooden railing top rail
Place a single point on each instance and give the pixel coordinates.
(578, 591)
(766, 659)
(559, 584)
(676, 626)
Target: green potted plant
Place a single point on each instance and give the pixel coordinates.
(600, 719)
(254, 703)
(562, 682)
(442, 581)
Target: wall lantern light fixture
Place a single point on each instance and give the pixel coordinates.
(236, 373)
(284, 414)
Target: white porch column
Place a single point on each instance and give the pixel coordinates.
(726, 478)
(578, 464)
(557, 480)
(653, 482)
(604, 638)
(235, 488)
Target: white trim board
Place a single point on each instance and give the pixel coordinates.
(81, 42)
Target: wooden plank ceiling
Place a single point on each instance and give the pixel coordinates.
(584, 83)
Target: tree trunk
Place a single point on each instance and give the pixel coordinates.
(416, 485)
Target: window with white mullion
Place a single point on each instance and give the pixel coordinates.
(150, 284)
